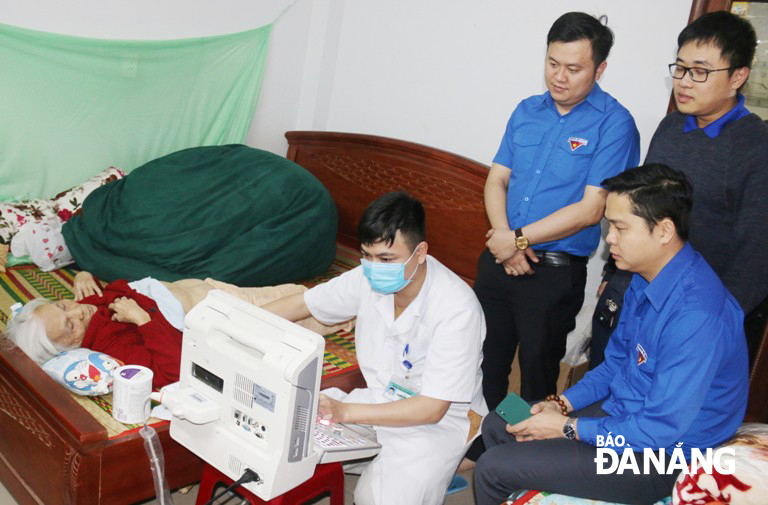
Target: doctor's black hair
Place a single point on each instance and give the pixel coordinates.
(389, 213)
(656, 192)
(733, 35)
(573, 26)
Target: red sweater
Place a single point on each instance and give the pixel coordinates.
(155, 345)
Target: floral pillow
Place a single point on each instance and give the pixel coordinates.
(63, 206)
(68, 203)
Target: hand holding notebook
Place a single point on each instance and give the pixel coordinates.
(513, 409)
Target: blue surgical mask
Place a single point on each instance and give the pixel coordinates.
(387, 278)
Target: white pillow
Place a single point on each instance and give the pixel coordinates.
(43, 242)
(83, 371)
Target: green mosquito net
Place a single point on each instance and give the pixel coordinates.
(71, 107)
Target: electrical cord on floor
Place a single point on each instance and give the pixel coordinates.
(248, 476)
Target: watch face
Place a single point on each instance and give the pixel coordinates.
(521, 242)
(568, 430)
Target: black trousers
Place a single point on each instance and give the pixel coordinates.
(606, 316)
(535, 311)
(557, 465)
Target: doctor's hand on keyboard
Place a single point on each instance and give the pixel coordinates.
(329, 409)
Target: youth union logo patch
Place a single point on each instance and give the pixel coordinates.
(642, 357)
(576, 142)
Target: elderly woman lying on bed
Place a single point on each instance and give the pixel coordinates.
(139, 323)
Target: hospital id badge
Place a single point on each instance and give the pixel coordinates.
(400, 388)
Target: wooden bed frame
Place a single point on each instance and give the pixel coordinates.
(363, 167)
(53, 452)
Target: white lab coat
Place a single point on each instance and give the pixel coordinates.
(444, 328)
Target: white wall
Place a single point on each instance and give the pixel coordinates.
(448, 74)
(142, 19)
(445, 73)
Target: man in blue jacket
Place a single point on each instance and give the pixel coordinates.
(675, 373)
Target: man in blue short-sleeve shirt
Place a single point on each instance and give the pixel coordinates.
(544, 202)
(674, 375)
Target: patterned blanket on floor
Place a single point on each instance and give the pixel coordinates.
(26, 282)
(525, 497)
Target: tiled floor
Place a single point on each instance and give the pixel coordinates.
(461, 498)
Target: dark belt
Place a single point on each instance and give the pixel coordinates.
(557, 259)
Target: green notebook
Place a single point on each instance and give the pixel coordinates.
(513, 409)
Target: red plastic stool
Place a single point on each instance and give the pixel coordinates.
(328, 478)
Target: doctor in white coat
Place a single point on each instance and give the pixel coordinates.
(419, 337)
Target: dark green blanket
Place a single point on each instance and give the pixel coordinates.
(234, 213)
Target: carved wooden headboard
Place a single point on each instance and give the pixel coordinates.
(358, 168)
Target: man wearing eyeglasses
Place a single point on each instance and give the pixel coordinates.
(723, 149)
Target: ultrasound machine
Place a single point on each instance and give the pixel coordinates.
(248, 394)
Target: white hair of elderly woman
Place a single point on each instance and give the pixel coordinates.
(28, 333)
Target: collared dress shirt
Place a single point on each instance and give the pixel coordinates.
(713, 129)
(675, 370)
(553, 158)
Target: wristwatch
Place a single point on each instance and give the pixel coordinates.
(520, 241)
(568, 430)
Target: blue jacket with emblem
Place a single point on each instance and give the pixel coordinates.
(675, 369)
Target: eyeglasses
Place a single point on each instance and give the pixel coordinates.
(697, 74)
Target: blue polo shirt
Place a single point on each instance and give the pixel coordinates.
(675, 369)
(552, 158)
